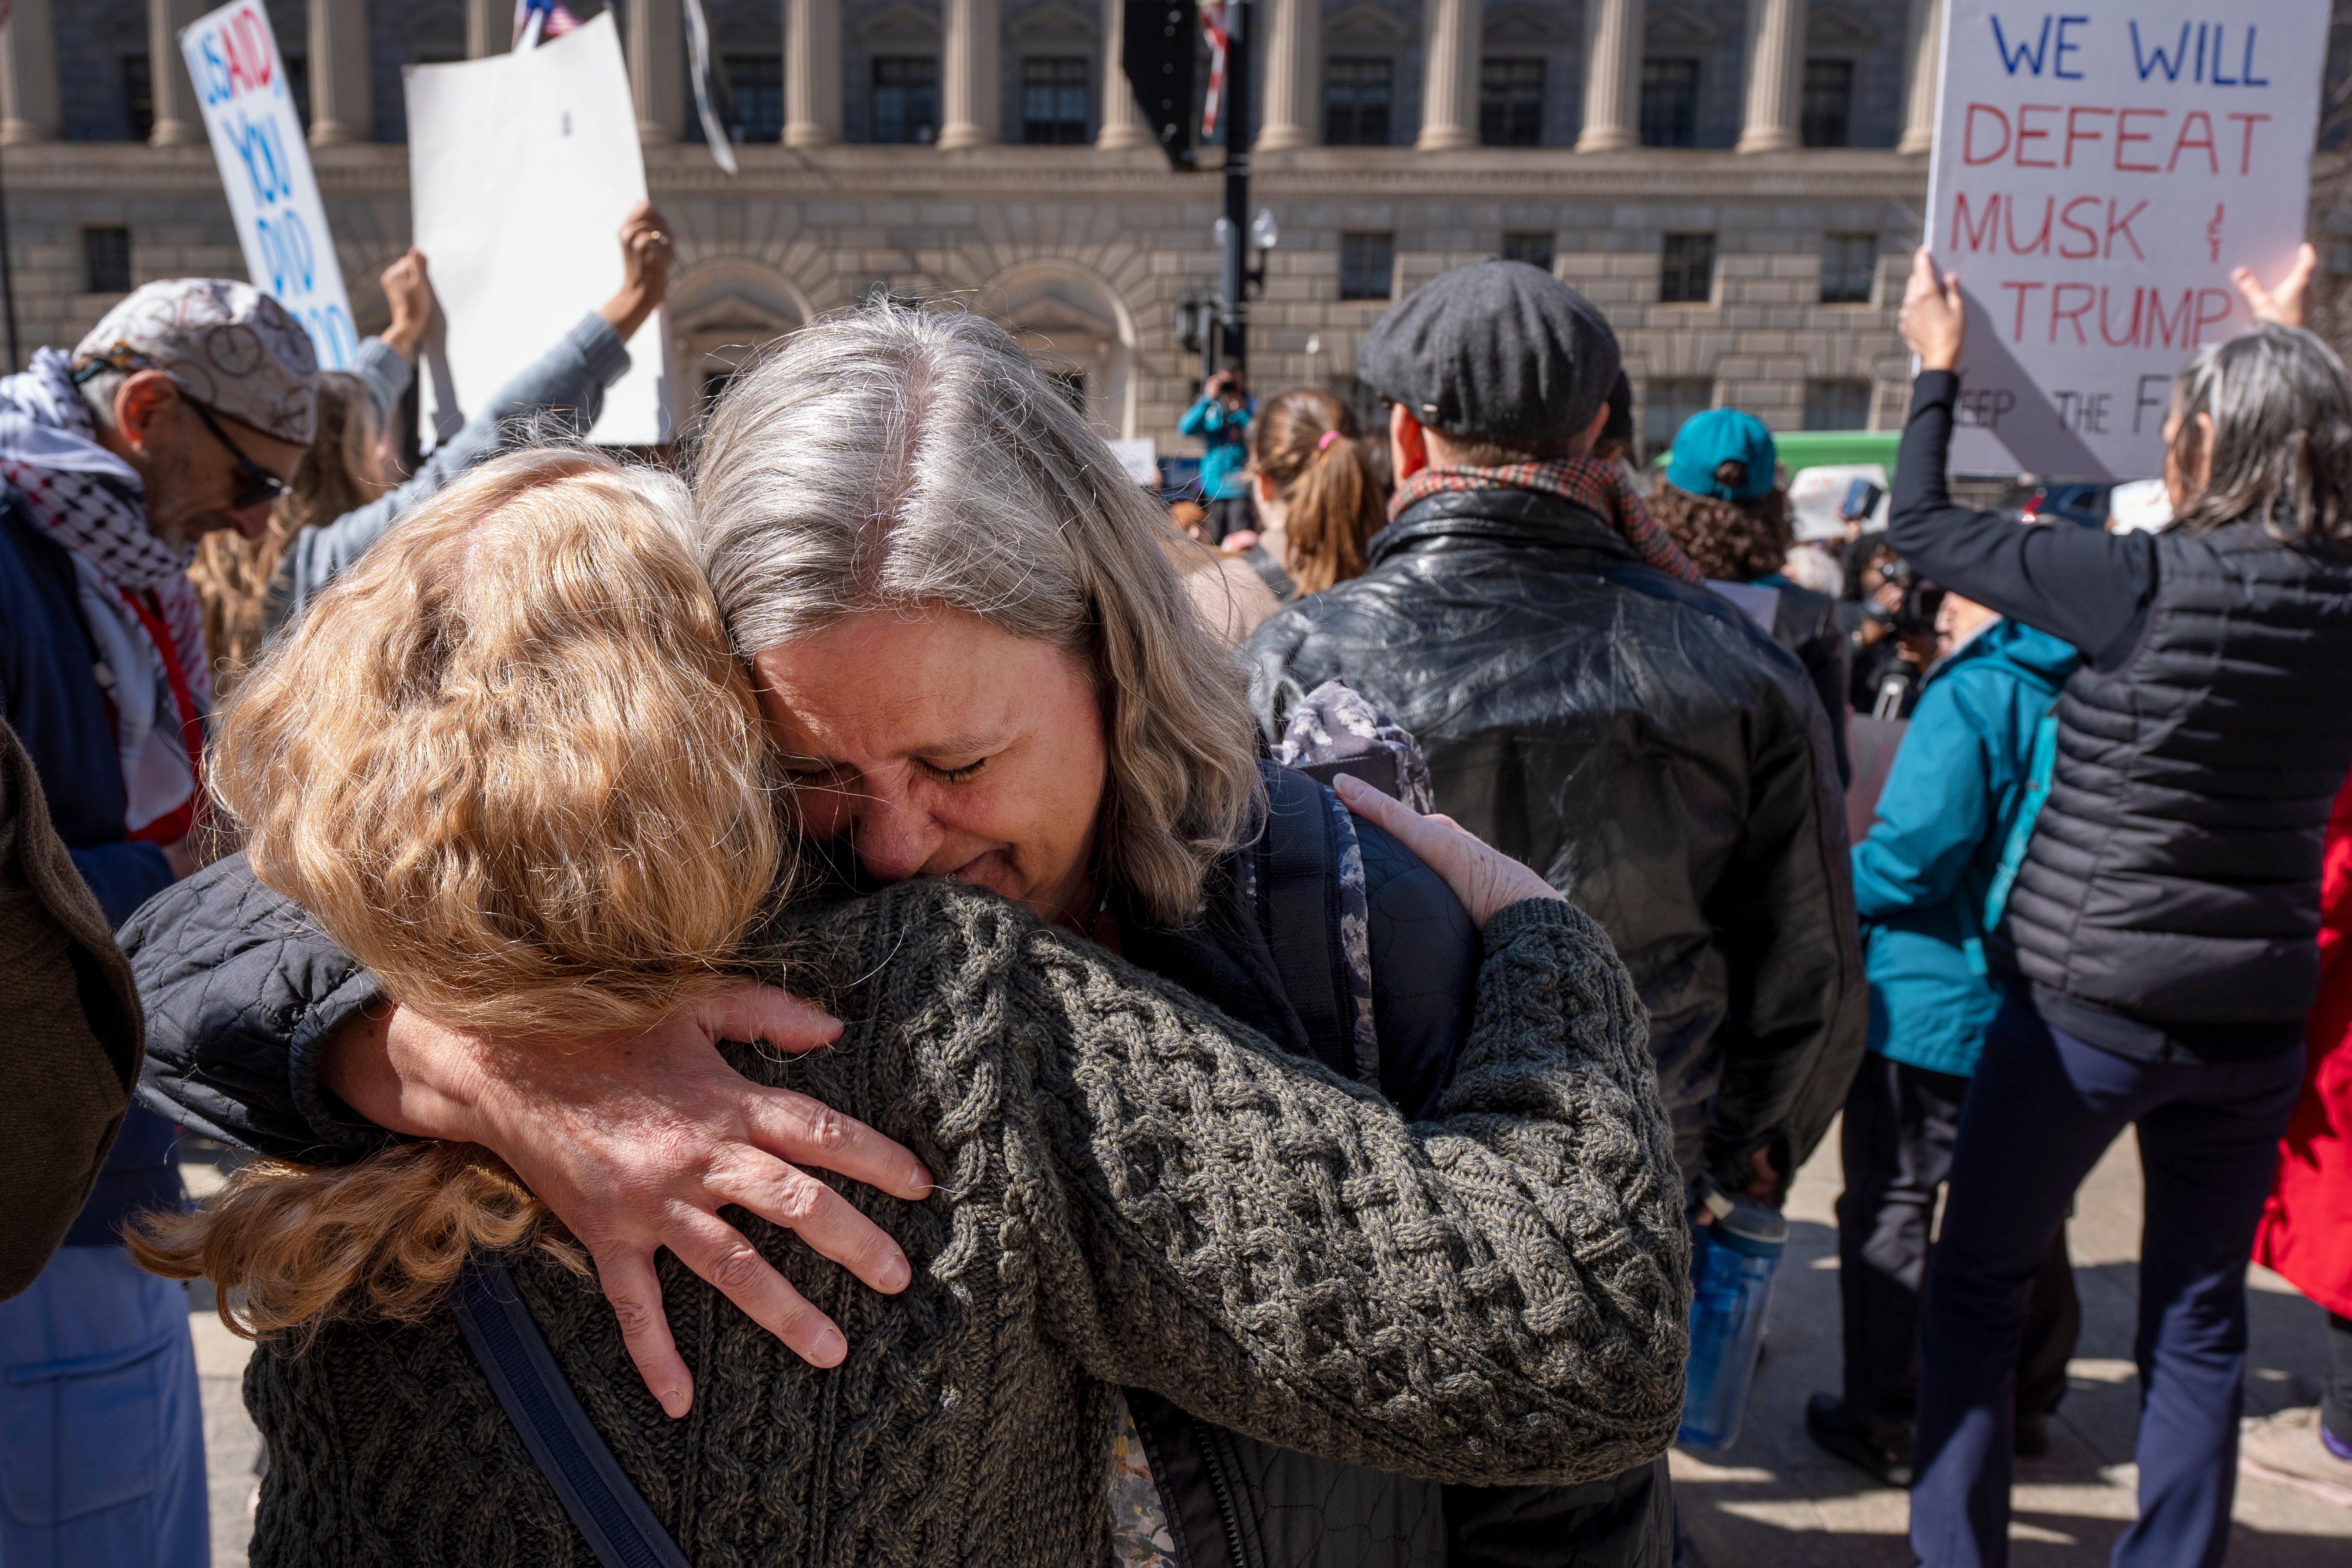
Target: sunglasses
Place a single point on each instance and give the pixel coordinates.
(260, 484)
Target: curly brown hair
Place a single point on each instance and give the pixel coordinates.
(1729, 541)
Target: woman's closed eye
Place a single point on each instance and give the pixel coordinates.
(956, 774)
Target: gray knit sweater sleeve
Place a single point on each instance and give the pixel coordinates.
(1498, 1295)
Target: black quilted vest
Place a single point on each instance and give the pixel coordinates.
(2174, 872)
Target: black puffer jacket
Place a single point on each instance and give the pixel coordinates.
(2169, 904)
(2175, 867)
(1651, 752)
(241, 993)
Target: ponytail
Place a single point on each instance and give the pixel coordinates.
(1306, 443)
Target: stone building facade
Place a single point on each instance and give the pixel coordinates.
(1737, 183)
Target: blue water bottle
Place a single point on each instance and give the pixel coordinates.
(1732, 1263)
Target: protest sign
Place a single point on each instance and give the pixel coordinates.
(521, 167)
(266, 169)
(2099, 168)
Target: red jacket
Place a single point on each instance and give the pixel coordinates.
(2306, 1232)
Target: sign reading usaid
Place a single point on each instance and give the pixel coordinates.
(2099, 168)
(265, 169)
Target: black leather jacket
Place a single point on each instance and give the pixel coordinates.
(242, 992)
(1650, 751)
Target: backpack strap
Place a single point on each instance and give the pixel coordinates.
(1301, 903)
(597, 1495)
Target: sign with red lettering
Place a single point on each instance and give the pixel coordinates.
(257, 137)
(2099, 168)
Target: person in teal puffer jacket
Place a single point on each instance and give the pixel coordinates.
(1927, 882)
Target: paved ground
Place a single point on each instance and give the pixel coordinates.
(1774, 1500)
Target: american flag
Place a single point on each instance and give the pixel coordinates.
(559, 18)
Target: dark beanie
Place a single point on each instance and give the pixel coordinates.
(1498, 349)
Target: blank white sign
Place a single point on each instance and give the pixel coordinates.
(521, 167)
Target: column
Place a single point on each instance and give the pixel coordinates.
(1452, 41)
(1123, 124)
(1293, 94)
(342, 100)
(970, 92)
(1776, 74)
(29, 107)
(812, 73)
(1927, 40)
(178, 121)
(490, 28)
(656, 54)
(1613, 76)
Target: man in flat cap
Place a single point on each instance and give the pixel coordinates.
(1589, 707)
(184, 410)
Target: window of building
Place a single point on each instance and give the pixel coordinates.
(137, 98)
(1665, 403)
(298, 85)
(1837, 406)
(1530, 245)
(1054, 99)
(1356, 98)
(1828, 107)
(756, 83)
(1687, 269)
(1510, 103)
(106, 259)
(906, 99)
(1669, 103)
(1367, 266)
(1849, 268)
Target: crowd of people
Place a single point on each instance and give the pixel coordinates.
(878, 993)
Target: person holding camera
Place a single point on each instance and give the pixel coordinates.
(1222, 420)
(1929, 881)
(2162, 923)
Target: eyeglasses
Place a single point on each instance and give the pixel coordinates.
(260, 485)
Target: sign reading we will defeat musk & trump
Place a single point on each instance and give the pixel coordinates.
(2099, 168)
(265, 169)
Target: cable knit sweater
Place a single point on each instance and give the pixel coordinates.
(1133, 1190)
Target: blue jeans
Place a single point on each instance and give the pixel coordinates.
(2043, 1108)
(101, 1428)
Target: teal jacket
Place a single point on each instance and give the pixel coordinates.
(1225, 431)
(1921, 874)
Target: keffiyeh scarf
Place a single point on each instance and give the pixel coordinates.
(133, 590)
(1598, 488)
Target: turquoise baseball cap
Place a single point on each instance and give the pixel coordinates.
(1709, 440)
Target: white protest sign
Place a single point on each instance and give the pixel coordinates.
(2100, 166)
(266, 169)
(521, 167)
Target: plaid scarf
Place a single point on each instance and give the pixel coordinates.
(1598, 488)
(133, 590)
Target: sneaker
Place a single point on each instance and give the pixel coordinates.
(1886, 1460)
(2286, 1448)
(2032, 1438)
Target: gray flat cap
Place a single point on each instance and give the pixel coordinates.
(1499, 349)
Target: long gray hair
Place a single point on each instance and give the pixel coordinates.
(2281, 445)
(889, 458)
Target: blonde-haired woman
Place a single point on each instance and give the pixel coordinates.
(516, 770)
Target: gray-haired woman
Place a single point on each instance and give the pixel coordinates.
(978, 664)
(2159, 936)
